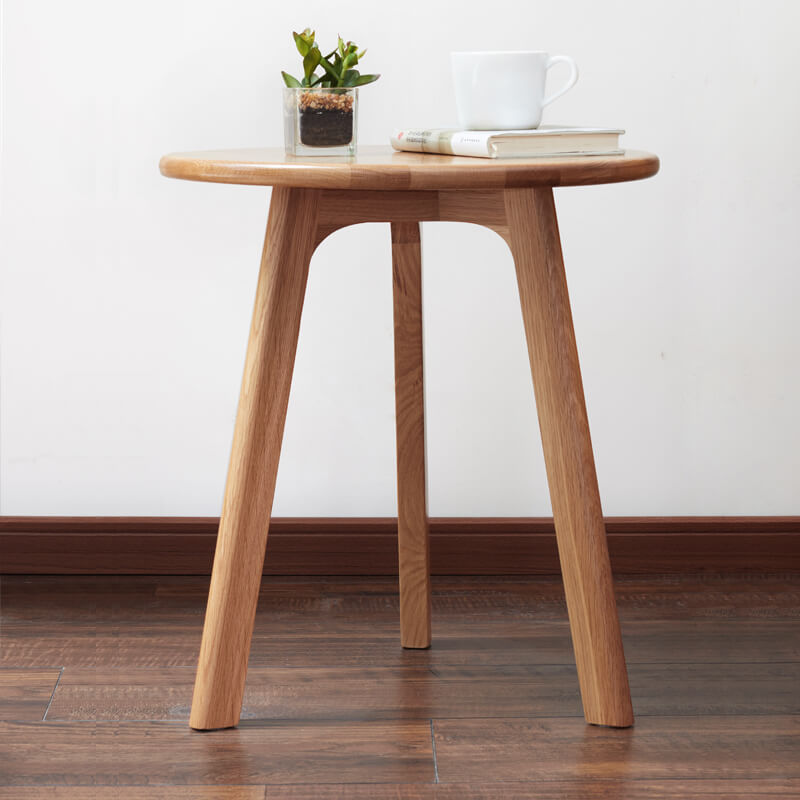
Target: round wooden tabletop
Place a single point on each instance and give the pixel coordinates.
(384, 168)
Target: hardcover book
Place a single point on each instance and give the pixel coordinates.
(544, 141)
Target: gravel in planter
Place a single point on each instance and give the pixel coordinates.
(326, 120)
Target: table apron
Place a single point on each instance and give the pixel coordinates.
(339, 208)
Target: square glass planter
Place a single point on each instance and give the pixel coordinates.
(320, 121)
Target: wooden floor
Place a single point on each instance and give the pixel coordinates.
(96, 677)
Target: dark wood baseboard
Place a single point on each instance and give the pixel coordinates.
(368, 546)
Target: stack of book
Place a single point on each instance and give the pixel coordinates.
(546, 141)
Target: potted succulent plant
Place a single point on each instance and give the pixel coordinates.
(321, 110)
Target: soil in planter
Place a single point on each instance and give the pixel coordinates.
(326, 120)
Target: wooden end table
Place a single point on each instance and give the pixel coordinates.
(312, 198)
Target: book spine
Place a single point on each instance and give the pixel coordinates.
(419, 140)
(448, 142)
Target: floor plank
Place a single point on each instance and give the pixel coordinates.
(121, 621)
(506, 642)
(657, 748)
(166, 753)
(552, 790)
(25, 693)
(131, 621)
(335, 708)
(196, 792)
(130, 598)
(384, 693)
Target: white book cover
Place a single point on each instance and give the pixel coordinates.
(545, 140)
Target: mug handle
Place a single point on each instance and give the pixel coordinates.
(570, 82)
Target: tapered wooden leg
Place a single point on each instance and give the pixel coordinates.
(242, 538)
(412, 508)
(582, 546)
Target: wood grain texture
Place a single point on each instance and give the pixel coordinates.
(123, 622)
(241, 543)
(569, 461)
(222, 668)
(528, 640)
(368, 546)
(659, 748)
(632, 789)
(299, 219)
(188, 526)
(25, 693)
(117, 792)
(160, 752)
(414, 557)
(713, 662)
(341, 207)
(382, 168)
(51, 621)
(577, 789)
(365, 694)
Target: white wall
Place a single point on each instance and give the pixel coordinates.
(126, 296)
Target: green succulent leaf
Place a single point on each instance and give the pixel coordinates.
(338, 66)
(363, 80)
(351, 56)
(350, 78)
(311, 61)
(333, 73)
(290, 80)
(304, 41)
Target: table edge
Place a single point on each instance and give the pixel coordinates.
(487, 174)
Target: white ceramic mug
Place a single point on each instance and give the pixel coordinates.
(498, 90)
